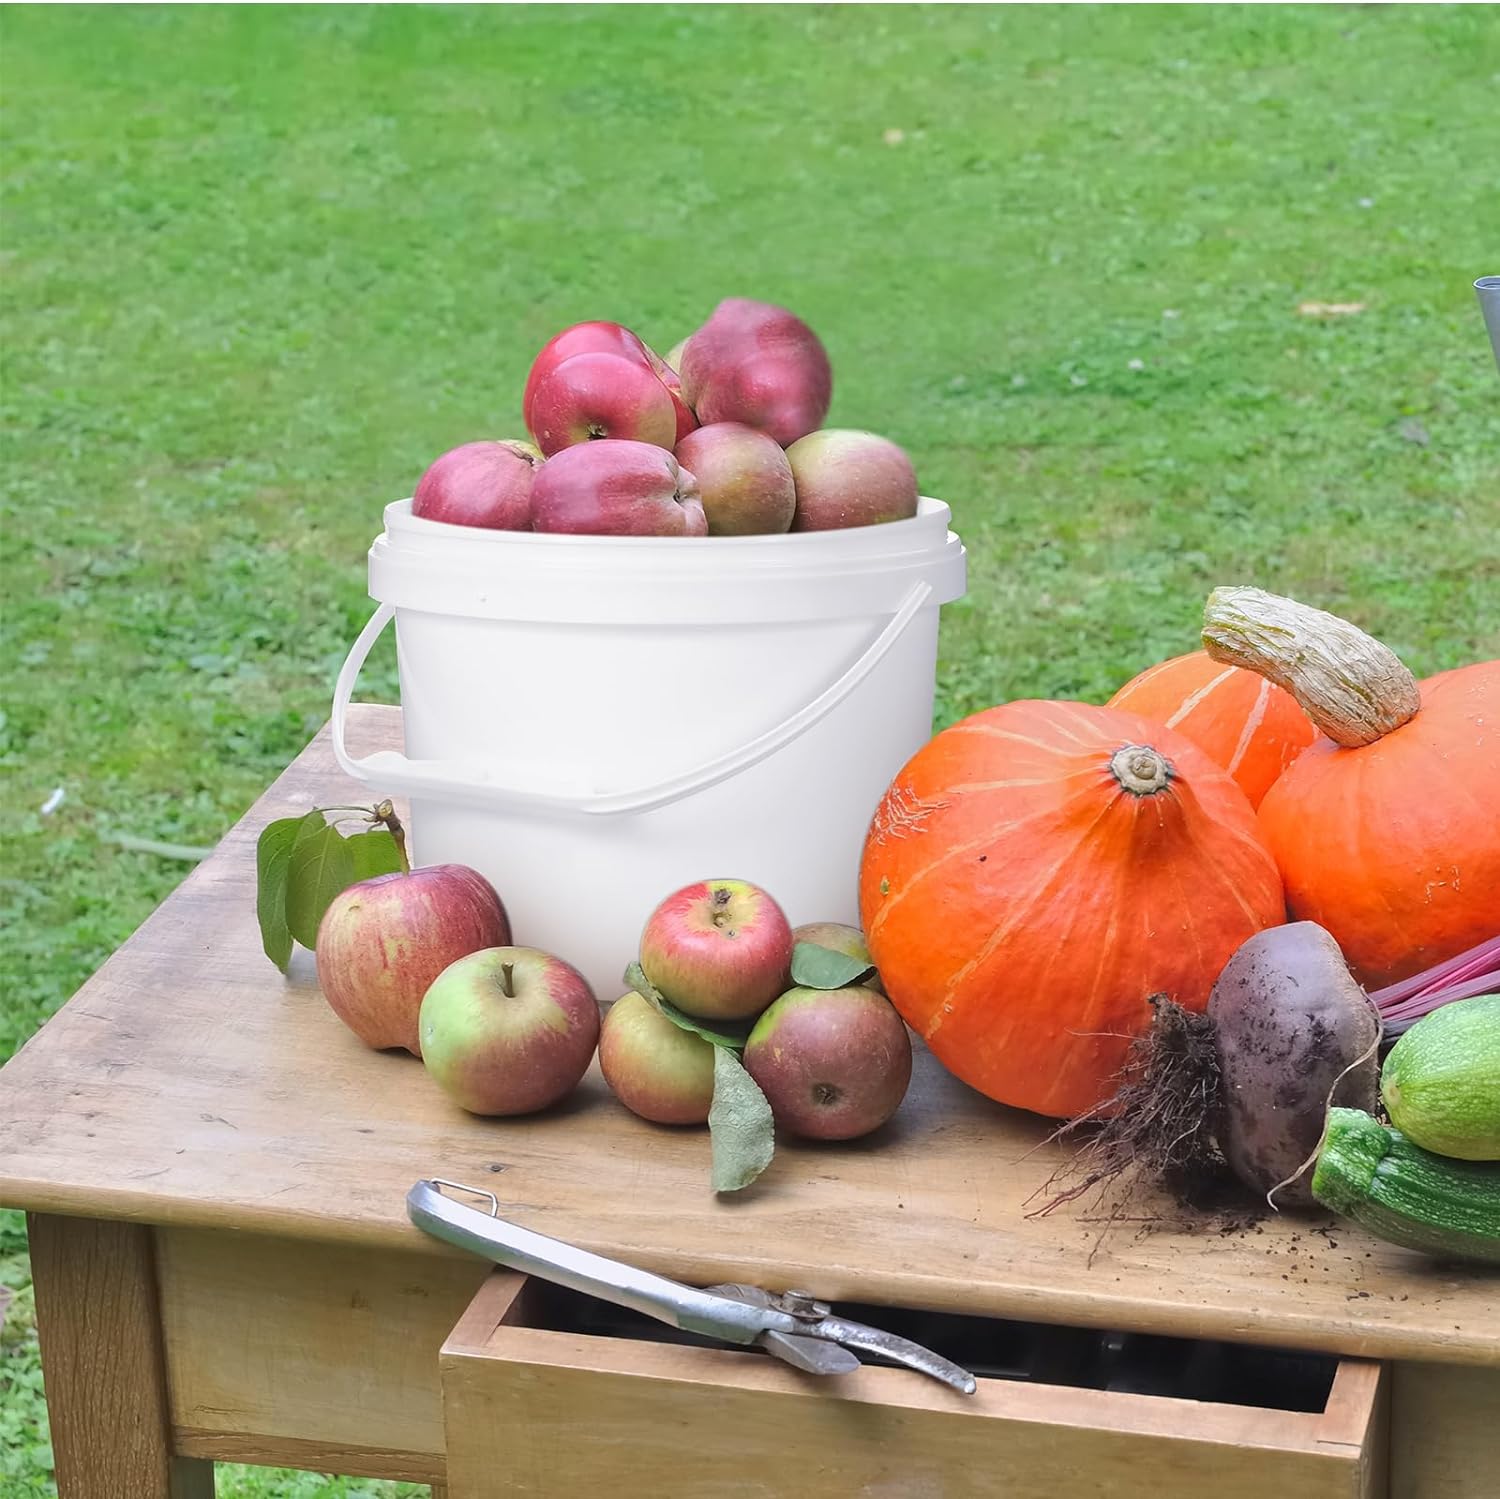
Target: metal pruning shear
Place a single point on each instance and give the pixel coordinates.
(791, 1324)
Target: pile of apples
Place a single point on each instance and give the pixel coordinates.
(724, 437)
(833, 1064)
(424, 960)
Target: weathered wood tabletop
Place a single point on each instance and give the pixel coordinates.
(189, 1083)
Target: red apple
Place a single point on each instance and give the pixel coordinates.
(617, 488)
(601, 395)
(743, 476)
(847, 478)
(655, 1068)
(758, 364)
(848, 940)
(833, 1063)
(383, 941)
(686, 421)
(581, 338)
(673, 357)
(720, 949)
(508, 1030)
(480, 484)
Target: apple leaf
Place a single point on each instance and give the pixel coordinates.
(741, 1131)
(816, 967)
(320, 866)
(373, 853)
(273, 855)
(731, 1036)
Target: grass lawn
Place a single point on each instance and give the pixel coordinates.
(262, 265)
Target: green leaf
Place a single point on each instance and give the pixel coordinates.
(740, 1128)
(321, 865)
(373, 853)
(273, 855)
(732, 1035)
(816, 967)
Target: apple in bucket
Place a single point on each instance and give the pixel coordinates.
(654, 1067)
(508, 1030)
(686, 421)
(720, 949)
(581, 338)
(601, 395)
(846, 478)
(834, 1064)
(381, 942)
(480, 484)
(743, 476)
(756, 363)
(617, 488)
(604, 338)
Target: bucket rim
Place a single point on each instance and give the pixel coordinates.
(932, 515)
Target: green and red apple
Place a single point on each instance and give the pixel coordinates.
(834, 1064)
(846, 478)
(508, 1030)
(839, 938)
(720, 949)
(654, 1067)
(743, 477)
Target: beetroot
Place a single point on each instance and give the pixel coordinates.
(1289, 1023)
(1241, 1089)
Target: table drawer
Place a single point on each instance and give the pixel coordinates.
(544, 1397)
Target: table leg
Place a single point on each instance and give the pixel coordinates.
(102, 1363)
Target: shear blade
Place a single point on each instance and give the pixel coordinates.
(811, 1355)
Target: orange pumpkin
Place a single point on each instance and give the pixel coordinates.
(1387, 831)
(1036, 873)
(1236, 717)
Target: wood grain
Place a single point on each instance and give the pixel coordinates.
(232, 1098)
(96, 1312)
(364, 1460)
(1445, 1432)
(277, 1354)
(549, 1415)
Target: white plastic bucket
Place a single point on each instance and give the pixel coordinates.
(593, 722)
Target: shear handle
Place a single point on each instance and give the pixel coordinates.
(624, 1285)
(894, 1349)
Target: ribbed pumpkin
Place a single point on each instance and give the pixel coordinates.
(1236, 717)
(1387, 831)
(1036, 873)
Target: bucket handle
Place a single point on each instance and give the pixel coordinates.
(450, 780)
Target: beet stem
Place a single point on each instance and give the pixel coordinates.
(1476, 971)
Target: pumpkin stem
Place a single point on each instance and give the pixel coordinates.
(1350, 685)
(1140, 770)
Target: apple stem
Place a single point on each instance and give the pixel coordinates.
(384, 814)
(507, 980)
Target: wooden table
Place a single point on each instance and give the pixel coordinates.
(216, 1169)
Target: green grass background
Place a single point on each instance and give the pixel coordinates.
(261, 265)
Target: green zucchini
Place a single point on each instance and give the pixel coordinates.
(1441, 1082)
(1373, 1174)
